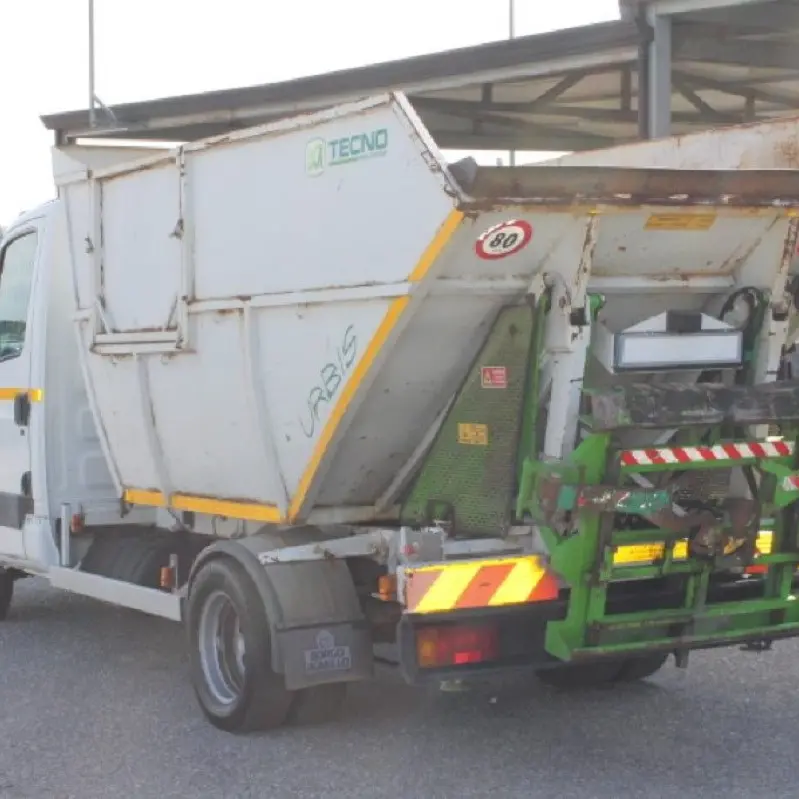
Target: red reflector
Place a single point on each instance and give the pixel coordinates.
(461, 658)
(459, 645)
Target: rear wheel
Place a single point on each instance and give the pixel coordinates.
(575, 676)
(6, 592)
(640, 668)
(230, 651)
(602, 673)
(138, 557)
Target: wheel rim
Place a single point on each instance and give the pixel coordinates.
(222, 649)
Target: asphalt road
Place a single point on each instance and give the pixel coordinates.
(95, 702)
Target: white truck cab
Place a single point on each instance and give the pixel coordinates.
(51, 453)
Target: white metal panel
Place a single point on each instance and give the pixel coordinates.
(71, 162)
(140, 253)
(264, 225)
(550, 230)
(77, 210)
(199, 404)
(626, 246)
(115, 384)
(205, 425)
(76, 468)
(152, 601)
(760, 145)
(309, 355)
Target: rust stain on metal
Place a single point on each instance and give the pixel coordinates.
(789, 246)
(590, 241)
(787, 151)
(735, 260)
(149, 329)
(549, 187)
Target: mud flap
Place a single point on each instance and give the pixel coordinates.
(318, 628)
(332, 653)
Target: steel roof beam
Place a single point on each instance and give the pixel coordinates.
(691, 45)
(777, 16)
(687, 91)
(558, 52)
(672, 7)
(741, 89)
(469, 110)
(557, 141)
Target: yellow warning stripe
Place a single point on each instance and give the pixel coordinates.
(384, 330)
(519, 584)
(448, 586)
(470, 584)
(642, 554)
(433, 250)
(248, 511)
(34, 394)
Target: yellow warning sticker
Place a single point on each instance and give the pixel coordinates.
(647, 553)
(474, 434)
(680, 221)
(643, 554)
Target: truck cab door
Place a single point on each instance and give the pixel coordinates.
(18, 255)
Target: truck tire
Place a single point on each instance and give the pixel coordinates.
(318, 705)
(578, 676)
(230, 651)
(6, 593)
(137, 558)
(595, 675)
(640, 668)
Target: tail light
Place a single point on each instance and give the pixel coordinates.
(762, 547)
(456, 645)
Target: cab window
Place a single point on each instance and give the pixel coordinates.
(17, 260)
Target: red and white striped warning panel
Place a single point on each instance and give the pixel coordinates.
(790, 483)
(661, 456)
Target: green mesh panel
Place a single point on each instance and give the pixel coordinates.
(474, 485)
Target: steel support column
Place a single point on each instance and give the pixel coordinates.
(658, 84)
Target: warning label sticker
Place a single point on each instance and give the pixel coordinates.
(680, 221)
(474, 434)
(494, 376)
(326, 656)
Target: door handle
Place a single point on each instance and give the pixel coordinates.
(22, 409)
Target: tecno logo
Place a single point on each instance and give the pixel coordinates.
(323, 153)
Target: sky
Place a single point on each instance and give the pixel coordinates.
(155, 48)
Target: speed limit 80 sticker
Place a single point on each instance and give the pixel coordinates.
(504, 239)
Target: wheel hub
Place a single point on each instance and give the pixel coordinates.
(222, 649)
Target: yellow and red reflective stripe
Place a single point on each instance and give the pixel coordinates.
(471, 584)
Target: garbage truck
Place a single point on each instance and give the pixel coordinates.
(306, 388)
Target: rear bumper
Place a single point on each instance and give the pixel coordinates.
(522, 629)
(521, 632)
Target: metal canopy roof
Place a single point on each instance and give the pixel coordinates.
(567, 90)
